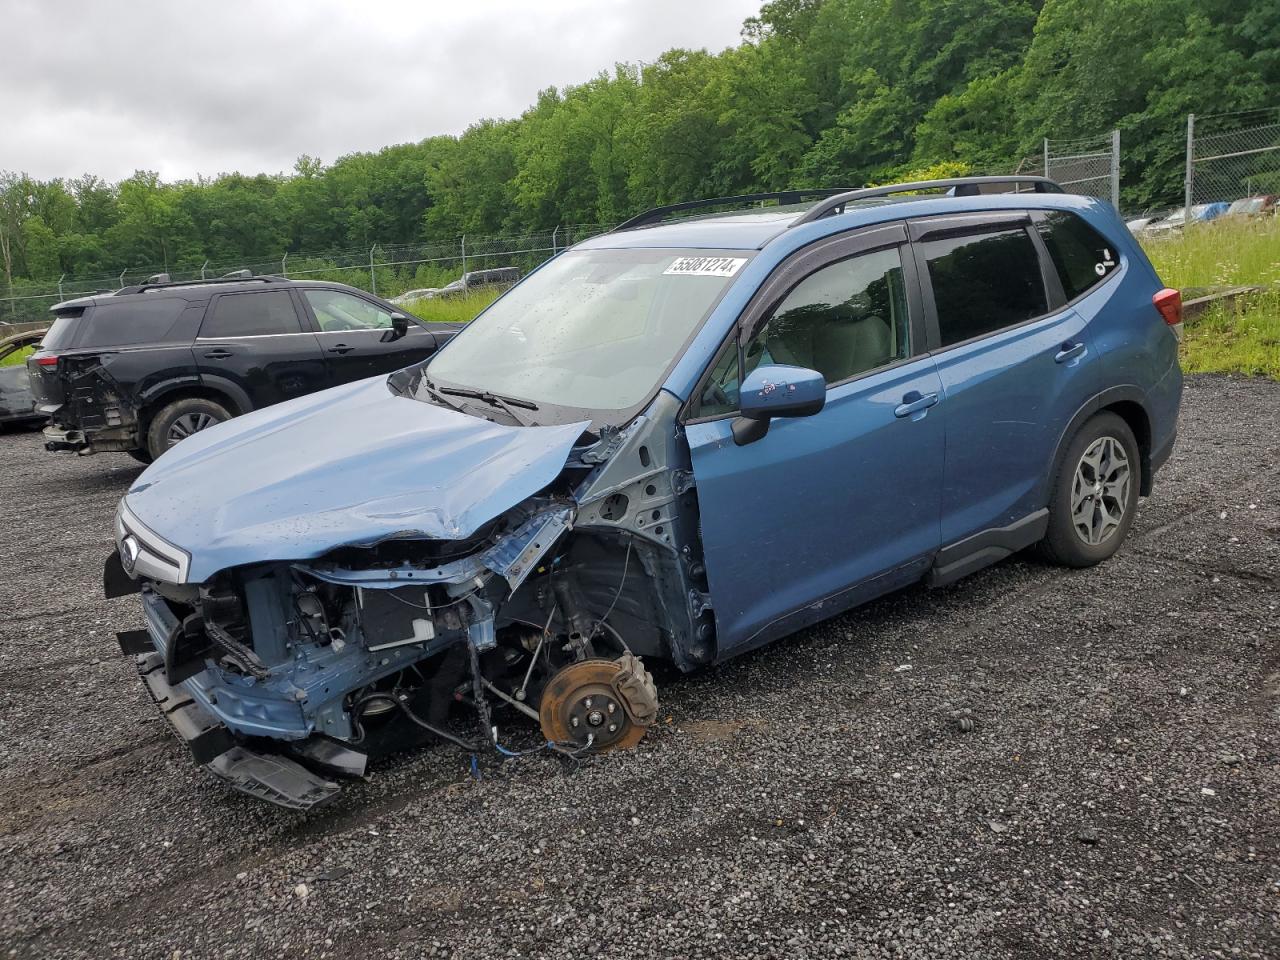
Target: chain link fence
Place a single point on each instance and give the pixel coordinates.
(385, 270)
(1232, 155)
(1089, 166)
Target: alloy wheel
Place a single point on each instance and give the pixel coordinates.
(1100, 490)
(187, 424)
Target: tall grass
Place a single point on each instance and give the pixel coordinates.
(1236, 336)
(17, 357)
(1227, 252)
(454, 309)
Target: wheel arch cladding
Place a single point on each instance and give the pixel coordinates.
(1125, 401)
(188, 391)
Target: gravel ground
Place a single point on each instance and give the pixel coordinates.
(1115, 793)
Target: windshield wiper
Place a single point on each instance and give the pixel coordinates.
(497, 400)
(435, 395)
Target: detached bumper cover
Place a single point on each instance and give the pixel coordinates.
(267, 776)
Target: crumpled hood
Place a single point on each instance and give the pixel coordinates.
(352, 465)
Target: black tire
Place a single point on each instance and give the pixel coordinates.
(168, 423)
(1091, 532)
(142, 456)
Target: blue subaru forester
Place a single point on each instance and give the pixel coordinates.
(711, 427)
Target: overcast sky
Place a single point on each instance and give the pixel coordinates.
(186, 88)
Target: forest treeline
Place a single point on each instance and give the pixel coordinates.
(820, 92)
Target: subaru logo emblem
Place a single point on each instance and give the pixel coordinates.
(129, 553)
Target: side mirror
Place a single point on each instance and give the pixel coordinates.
(774, 390)
(399, 328)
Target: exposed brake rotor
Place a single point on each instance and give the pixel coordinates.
(606, 703)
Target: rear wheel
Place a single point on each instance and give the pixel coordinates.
(180, 419)
(142, 456)
(1095, 494)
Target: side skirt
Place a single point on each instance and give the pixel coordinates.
(985, 548)
(830, 606)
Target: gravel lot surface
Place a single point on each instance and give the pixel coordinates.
(1030, 763)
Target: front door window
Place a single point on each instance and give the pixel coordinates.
(843, 320)
(336, 310)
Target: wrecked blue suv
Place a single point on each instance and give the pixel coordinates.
(676, 441)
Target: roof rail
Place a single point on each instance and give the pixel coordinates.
(963, 187)
(657, 214)
(240, 276)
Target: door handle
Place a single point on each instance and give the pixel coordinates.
(218, 354)
(341, 348)
(1069, 351)
(913, 402)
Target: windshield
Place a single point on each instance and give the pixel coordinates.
(593, 330)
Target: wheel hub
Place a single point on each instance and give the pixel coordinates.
(583, 705)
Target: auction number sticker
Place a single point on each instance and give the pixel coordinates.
(706, 266)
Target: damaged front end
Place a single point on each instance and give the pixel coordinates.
(281, 675)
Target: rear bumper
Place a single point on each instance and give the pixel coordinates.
(189, 712)
(1160, 456)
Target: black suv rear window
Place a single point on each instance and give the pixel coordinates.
(251, 315)
(131, 321)
(984, 282)
(1080, 254)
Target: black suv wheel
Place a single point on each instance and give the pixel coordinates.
(1095, 494)
(180, 419)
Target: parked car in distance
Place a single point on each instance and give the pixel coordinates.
(676, 441)
(1200, 213)
(1138, 225)
(16, 402)
(1257, 206)
(140, 369)
(472, 280)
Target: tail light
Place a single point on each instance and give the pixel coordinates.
(48, 360)
(1169, 302)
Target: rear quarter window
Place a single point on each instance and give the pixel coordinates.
(130, 322)
(1082, 257)
(63, 332)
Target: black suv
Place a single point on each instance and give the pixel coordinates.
(139, 369)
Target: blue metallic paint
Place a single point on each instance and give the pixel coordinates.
(1005, 396)
(779, 390)
(821, 502)
(357, 465)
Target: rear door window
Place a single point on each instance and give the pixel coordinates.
(129, 322)
(262, 314)
(983, 282)
(1081, 256)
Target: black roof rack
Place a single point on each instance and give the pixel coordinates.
(962, 186)
(240, 276)
(657, 214)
